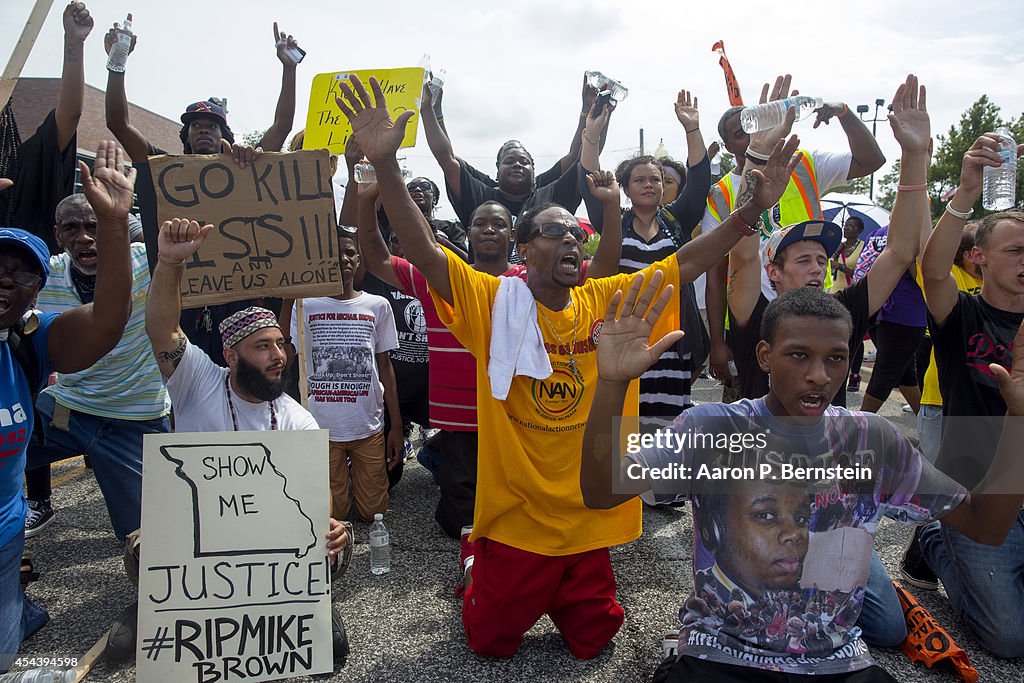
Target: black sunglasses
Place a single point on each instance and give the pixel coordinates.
(422, 187)
(556, 231)
(348, 231)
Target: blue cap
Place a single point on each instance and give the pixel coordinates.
(30, 243)
(826, 233)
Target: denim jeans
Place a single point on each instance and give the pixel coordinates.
(19, 616)
(929, 431)
(114, 448)
(881, 619)
(983, 582)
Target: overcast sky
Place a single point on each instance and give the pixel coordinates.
(514, 70)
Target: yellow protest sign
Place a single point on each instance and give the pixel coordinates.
(327, 127)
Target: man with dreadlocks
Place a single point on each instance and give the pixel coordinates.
(43, 166)
(204, 130)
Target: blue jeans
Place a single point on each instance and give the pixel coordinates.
(114, 448)
(983, 582)
(19, 616)
(881, 619)
(929, 431)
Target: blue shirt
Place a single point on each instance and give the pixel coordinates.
(16, 420)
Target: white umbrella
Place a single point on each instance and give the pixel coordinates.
(837, 207)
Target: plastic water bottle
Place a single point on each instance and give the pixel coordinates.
(365, 172)
(599, 82)
(118, 56)
(770, 114)
(436, 83)
(380, 546)
(45, 675)
(999, 185)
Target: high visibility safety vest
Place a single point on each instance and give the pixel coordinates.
(801, 201)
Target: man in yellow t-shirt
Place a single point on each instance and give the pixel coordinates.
(538, 548)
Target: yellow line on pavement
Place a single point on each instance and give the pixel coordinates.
(68, 471)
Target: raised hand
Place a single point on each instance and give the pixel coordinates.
(283, 41)
(353, 155)
(110, 186)
(596, 124)
(1011, 384)
(765, 140)
(770, 182)
(111, 37)
(984, 152)
(377, 134)
(589, 95)
(686, 111)
(78, 23)
(909, 118)
(623, 352)
(603, 187)
(179, 238)
(828, 111)
(242, 155)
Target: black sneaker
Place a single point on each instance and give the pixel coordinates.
(40, 514)
(123, 633)
(854, 385)
(339, 637)
(913, 567)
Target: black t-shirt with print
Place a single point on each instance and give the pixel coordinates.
(974, 335)
(743, 339)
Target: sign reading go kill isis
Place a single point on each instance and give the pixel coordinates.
(274, 225)
(234, 578)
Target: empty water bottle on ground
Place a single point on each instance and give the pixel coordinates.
(118, 56)
(380, 546)
(999, 184)
(365, 172)
(45, 675)
(770, 114)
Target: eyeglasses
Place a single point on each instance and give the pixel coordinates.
(70, 230)
(21, 278)
(556, 231)
(422, 187)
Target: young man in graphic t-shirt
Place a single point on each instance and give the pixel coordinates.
(539, 550)
(781, 556)
(969, 333)
(347, 340)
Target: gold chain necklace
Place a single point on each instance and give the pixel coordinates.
(572, 357)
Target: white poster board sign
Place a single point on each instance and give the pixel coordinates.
(234, 579)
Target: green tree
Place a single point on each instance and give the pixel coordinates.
(859, 186)
(726, 162)
(983, 116)
(253, 138)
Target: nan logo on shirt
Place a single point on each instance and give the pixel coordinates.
(12, 442)
(557, 396)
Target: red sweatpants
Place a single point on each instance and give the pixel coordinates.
(512, 588)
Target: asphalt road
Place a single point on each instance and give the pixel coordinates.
(405, 625)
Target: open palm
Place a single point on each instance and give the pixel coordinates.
(909, 119)
(377, 134)
(623, 352)
(110, 186)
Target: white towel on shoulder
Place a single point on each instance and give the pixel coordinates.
(517, 345)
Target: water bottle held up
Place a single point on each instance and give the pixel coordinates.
(598, 81)
(380, 546)
(436, 83)
(999, 184)
(365, 172)
(771, 114)
(118, 56)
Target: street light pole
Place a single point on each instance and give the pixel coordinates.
(861, 110)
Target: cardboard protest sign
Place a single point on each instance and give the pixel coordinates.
(234, 581)
(274, 225)
(328, 128)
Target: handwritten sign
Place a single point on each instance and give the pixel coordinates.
(234, 582)
(328, 128)
(274, 226)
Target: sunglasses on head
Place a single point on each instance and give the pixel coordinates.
(348, 231)
(557, 231)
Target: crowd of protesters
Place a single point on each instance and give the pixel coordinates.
(517, 358)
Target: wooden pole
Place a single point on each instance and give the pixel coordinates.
(300, 351)
(22, 49)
